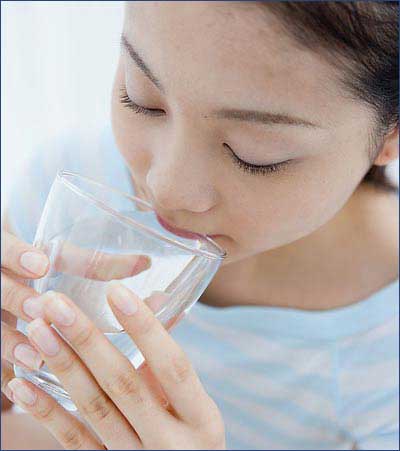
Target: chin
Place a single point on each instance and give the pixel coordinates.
(233, 254)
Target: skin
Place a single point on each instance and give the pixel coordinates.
(308, 235)
(269, 222)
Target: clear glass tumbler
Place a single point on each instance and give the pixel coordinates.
(93, 234)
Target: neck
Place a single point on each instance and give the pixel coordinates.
(344, 261)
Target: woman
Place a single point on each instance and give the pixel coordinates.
(267, 124)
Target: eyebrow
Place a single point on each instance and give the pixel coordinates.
(264, 117)
(140, 63)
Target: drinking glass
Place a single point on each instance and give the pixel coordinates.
(93, 234)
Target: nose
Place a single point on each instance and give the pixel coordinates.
(179, 178)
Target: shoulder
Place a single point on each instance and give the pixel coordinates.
(368, 387)
(368, 360)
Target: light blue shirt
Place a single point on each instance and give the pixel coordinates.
(282, 378)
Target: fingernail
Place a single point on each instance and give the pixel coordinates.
(41, 335)
(143, 263)
(33, 307)
(122, 298)
(21, 392)
(34, 262)
(59, 311)
(27, 355)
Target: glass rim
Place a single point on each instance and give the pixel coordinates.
(63, 175)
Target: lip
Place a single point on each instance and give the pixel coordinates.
(179, 232)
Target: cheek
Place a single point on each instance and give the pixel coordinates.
(285, 207)
(131, 138)
(131, 134)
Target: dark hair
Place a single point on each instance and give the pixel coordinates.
(361, 38)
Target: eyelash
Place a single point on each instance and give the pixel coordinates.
(127, 102)
(255, 168)
(243, 165)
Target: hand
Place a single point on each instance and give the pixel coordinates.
(20, 262)
(162, 405)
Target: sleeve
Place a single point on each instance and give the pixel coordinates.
(368, 388)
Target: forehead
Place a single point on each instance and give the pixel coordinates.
(236, 49)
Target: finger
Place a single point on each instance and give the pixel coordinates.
(7, 373)
(164, 356)
(70, 432)
(95, 406)
(19, 299)
(155, 303)
(148, 377)
(174, 321)
(93, 264)
(22, 259)
(159, 300)
(8, 318)
(118, 378)
(15, 348)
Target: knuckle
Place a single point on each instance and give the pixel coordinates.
(9, 340)
(124, 384)
(6, 375)
(84, 338)
(99, 407)
(64, 365)
(45, 411)
(72, 438)
(180, 369)
(9, 293)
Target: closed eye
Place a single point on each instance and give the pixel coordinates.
(243, 165)
(128, 103)
(263, 169)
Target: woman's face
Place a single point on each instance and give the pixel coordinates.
(216, 79)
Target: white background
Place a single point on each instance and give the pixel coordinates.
(58, 63)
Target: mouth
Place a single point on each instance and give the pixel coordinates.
(181, 232)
